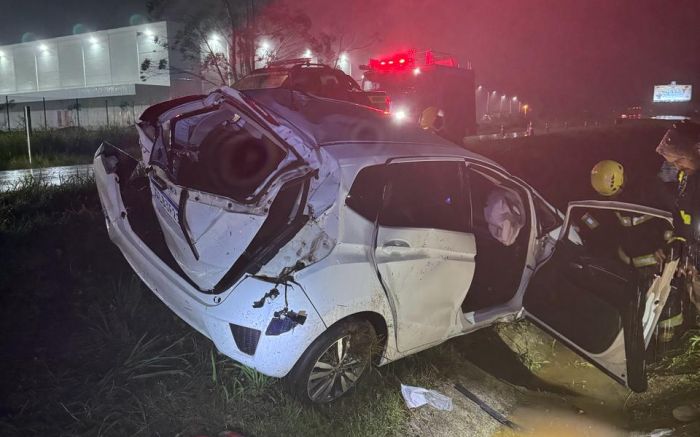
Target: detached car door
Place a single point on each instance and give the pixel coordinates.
(226, 191)
(424, 251)
(587, 297)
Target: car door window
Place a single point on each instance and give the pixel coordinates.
(425, 194)
(499, 207)
(305, 80)
(547, 218)
(365, 196)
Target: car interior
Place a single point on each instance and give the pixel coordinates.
(499, 267)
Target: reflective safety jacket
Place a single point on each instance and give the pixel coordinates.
(686, 217)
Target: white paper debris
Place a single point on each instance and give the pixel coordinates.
(418, 396)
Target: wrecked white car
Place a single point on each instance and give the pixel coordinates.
(302, 234)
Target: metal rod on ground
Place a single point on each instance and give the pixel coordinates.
(484, 406)
(27, 122)
(46, 126)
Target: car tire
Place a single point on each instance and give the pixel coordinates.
(334, 363)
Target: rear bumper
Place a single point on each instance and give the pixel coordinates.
(217, 316)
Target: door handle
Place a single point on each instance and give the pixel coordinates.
(396, 243)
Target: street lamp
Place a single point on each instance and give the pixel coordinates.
(500, 105)
(488, 99)
(510, 104)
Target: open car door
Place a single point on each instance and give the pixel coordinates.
(227, 189)
(604, 309)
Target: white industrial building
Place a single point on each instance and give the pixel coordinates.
(92, 79)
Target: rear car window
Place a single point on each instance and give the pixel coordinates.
(258, 81)
(219, 152)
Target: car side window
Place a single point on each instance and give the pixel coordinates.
(427, 194)
(547, 219)
(499, 207)
(365, 196)
(305, 80)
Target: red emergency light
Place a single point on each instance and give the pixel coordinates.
(397, 62)
(410, 59)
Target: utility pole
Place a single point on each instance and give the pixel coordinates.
(46, 126)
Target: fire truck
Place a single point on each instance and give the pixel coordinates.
(428, 88)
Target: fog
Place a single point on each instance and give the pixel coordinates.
(561, 55)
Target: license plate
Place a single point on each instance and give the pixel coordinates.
(167, 205)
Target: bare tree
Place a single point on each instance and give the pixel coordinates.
(221, 39)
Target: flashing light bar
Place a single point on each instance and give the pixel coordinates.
(408, 61)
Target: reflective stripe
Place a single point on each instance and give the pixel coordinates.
(677, 239)
(590, 221)
(672, 322)
(637, 261)
(627, 221)
(644, 261)
(681, 175)
(687, 218)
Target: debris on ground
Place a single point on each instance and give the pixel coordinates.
(418, 396)
(686, 413)
(486, 407)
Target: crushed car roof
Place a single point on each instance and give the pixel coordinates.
(328, 122)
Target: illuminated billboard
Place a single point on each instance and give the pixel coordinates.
(673, 93)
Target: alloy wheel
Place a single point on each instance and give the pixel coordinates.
(337, 370)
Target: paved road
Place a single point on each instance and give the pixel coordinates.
(53, 175)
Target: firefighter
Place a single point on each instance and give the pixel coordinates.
(680, 147)
(636, 239)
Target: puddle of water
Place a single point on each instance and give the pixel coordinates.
(52, 175)
(557, 422)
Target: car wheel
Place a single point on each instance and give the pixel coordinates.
(334, 363)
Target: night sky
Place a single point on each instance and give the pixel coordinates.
(561, 55)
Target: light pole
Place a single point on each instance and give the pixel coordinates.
(478, 93)
(510, 104)
(488, 99)
(500, 106)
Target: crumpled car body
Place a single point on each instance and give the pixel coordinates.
(277, 224)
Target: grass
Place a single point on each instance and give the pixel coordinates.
(685, 359)
(59, 147)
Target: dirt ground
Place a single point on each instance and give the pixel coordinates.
(547, 390)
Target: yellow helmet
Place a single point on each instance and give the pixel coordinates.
(607, 177)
